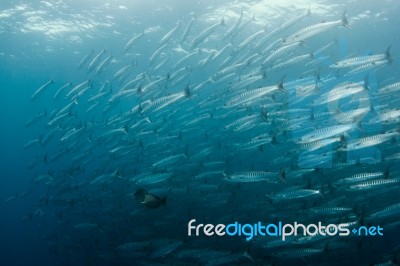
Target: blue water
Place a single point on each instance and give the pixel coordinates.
(46, 40)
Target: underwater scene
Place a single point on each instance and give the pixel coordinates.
(200, 132)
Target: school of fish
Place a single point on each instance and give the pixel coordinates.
(222, 122)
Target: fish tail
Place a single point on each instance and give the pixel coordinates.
(186, 91)
(223, 22)
(164, 201)
(366, 82)
(282, 175)
(342, 139)
(359, 126)
(345, 21)
(309, 11)
(280, 86)
(388, 56)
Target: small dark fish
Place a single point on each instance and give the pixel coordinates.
(152, 201)
(140, 194)
(149, 200)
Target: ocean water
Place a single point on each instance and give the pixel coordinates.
(252, 116)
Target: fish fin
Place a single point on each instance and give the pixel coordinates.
(186, 91)
(309, 11)
(282, 175)
(345, 21)
(247, 255)
(388, 56)
(366, 82)
(164, 201)
(326, 248)
(359, 126)
(280, 86)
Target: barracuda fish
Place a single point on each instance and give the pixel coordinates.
(61, 89)
(67, 108)
(112, 133)
(105, 178)
(210, 175)
(316, 29)
(367, 67)
(71, 133)
(326, 132)
(318, 144)
(352, 116)
(204, 34)
(370, 141)
(78, 88)
(390, 211)
(133, 246)
(49, 136)
(361, 178)
(104, 64)
(161, 64)
(316, 161)
(289, 23)
(231, 69)
(254, 94)
(42, 88)
(58, 118)
(167, 37)
(242, 120)
(184, 59)
(85, 59)
(170, 160)
(374, 184)
(98, 96)
(149, 86)
(222, 51)
(391, 88)
(132, 42)
(165, 247)
(11, 198)
(153, 178)
(160, 103)
(247, 41)
(92, 65)
(123, 70)
(207, 60)
(390, 116)
(34, 120)
(247, 81)
(293, 60)
(32, 143)
(294, 193)
(254, 176)
(257, 142)
(298, 252)
(331, 210)
(234, 28)
(362, 60)
(342, 91)
(276, 54)
(156, 54)
(122, 94)
(186, 32)
(88, 226)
